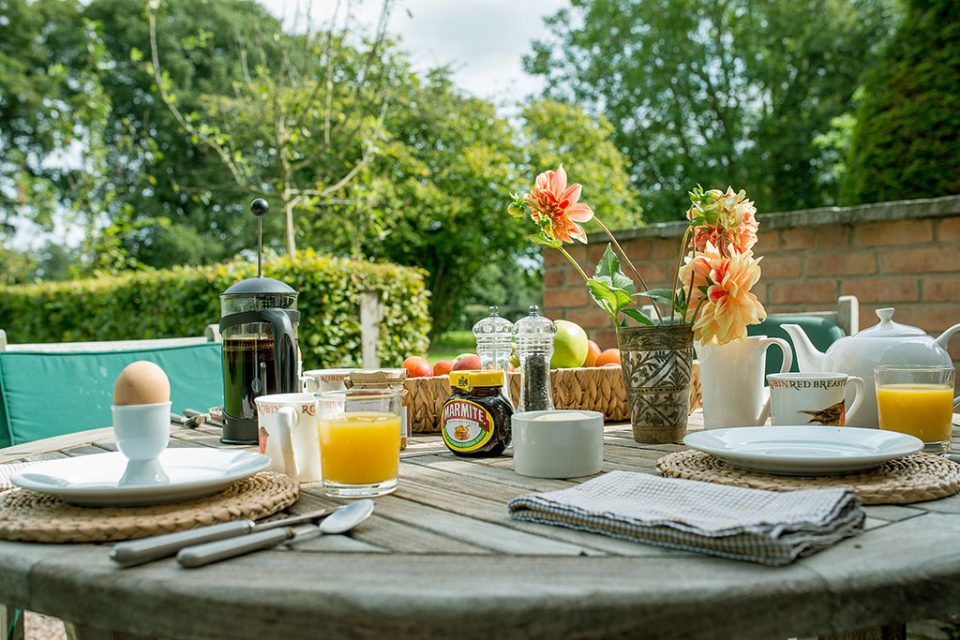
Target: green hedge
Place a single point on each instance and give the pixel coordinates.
(182, 301)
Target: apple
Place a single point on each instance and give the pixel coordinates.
(593, 352)
(569, 345)
(608, 357)
(443, 368)
(468, 361)
(417, 367)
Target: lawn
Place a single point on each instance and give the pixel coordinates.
(451, 344)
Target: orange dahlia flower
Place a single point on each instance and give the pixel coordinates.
(554, 205)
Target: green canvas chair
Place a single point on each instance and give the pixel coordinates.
(50, 393)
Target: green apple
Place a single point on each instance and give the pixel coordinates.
(570, 345)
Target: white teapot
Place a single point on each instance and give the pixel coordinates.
(887, 343)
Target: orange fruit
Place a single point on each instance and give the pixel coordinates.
(610, 356)
(593, 352)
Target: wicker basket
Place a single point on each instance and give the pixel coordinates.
(588, 388)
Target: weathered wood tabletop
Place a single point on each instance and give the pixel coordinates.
(441, 558)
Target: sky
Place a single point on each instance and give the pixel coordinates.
(483, 40)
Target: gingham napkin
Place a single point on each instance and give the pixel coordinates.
(769, 527)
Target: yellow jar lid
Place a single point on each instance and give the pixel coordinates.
(460, 379)
(486, 378)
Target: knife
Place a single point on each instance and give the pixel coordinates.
(144, 550)
(344, 519)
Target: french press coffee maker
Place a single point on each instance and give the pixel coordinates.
(258, 325)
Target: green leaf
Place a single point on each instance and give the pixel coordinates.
(610, 299)
(638, 316)
(663, 296)
(608, 270)
(547, 242)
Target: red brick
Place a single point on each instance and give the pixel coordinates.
(925, 260)
(767, 242)
(779, 267)
(594, 318)
(552, 258)
(654, 274)
(833, 237)
(857, 263)
(882, 290)
(794, 239)
(932, 318)
(639, 249)
(606, 338)
(594, 251)
(892, 232)
(941, 289)
(802, 292)
(554, 277)
(569, 298)
(666, 249)
(949, 230)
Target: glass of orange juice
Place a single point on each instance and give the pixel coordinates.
(917, 401)
(360, 442)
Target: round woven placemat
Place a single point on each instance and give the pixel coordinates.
(909, 479)
(36, 517)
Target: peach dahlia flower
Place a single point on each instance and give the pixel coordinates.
(554, 202)
(729, 305)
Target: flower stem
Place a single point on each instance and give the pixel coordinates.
(676, 277)
(573, 262)
(626, 259)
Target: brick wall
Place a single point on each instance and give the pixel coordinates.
(901, 254)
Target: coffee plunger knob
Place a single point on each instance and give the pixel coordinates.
(259, 207)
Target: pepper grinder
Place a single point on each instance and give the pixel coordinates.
(534, 335)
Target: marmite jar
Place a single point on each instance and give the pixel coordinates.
(476, 418)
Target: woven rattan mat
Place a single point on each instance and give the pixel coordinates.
(913, 478)
(36, 517)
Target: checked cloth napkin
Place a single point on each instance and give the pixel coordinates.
(769, 527)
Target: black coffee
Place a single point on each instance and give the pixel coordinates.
(248, 373)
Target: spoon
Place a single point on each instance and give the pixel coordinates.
(340, 521)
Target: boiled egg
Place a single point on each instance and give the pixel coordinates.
(142, 382)
(562, 415)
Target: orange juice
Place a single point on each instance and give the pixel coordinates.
(921, 410)
(360, 448)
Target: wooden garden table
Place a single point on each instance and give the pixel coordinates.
(441, 558)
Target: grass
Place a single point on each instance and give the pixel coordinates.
(451, 344)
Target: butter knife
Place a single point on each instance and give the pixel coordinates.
(136, 552)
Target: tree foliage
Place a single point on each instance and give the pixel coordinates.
(906, 142)
(714, 91)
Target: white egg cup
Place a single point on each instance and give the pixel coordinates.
(142, 432)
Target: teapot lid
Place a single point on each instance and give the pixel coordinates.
(257, 286)
(888, 328)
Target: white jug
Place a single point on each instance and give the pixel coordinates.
(731, 379)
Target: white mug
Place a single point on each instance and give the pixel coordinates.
(321, 380)
(813, 398)
(288, 434)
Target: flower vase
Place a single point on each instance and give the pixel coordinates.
(731, 378)
(657, 363)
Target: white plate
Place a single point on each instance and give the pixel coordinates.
(803, 450)
(93, 480)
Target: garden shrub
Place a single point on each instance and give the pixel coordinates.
(181, 301)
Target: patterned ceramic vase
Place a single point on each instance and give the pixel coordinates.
(657, 363)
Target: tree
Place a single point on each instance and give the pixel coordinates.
(285, 104)
(714, 92)
(906, 142)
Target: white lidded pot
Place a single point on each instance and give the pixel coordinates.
(887, 343)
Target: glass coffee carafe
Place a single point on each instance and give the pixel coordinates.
(258, 324)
